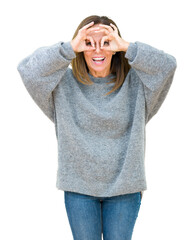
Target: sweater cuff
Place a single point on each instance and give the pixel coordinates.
(67, 50)
(131, 52)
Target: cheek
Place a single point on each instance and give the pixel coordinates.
(109, 57)
(87, 57)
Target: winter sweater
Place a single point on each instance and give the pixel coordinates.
(101, 139)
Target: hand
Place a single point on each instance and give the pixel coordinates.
(112, 41)
(83, 42)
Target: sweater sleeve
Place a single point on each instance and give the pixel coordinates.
(42, 71)
(155, 69)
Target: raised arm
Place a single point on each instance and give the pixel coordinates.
(42, 71)
(155, 69)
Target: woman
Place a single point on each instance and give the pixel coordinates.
(100, 108)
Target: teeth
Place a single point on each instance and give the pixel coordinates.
(98, 59)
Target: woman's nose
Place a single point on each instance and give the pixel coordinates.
(98, 49)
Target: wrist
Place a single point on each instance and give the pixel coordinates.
(73, 45)
(125, 46)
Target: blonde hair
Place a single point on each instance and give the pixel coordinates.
(119, 64)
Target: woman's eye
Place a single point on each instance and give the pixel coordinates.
(106, 43)
(88, 44)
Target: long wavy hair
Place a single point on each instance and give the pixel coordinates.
(119, 64)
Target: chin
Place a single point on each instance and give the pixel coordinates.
(99, 72)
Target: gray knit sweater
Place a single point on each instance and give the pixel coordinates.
(101, 139)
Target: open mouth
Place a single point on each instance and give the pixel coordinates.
(98, 59)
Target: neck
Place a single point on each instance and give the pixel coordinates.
(99, 74)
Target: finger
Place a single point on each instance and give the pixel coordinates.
(88, 48)
(91, 40)
(101, 31)
(103, 40)
(87, 25)
(93, 29)
(107, 27)
(114, 27)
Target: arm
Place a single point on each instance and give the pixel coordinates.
(155, 69)
(42, 71)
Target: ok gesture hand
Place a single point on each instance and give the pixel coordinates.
(79, 42)
(112, 41)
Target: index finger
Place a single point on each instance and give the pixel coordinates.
(88, 25)
(97, 30)
(109, 28)
(92, 29)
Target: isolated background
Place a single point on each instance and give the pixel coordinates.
(31, 207)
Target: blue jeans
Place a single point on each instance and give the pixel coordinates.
(90, 217)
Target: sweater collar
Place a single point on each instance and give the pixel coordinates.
(101, 79)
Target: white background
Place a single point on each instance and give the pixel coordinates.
(31, 207)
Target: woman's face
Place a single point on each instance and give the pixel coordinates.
(98, 60)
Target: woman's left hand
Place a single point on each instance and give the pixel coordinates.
(112, 41)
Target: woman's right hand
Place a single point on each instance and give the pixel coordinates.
(83, 42)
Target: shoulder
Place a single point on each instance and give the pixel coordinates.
(69, 72)
(68, 78)
(133, 78)
(131, 75)
(68, 75)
